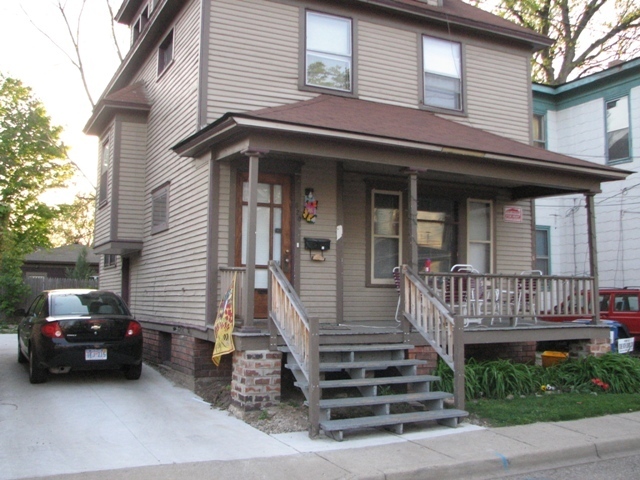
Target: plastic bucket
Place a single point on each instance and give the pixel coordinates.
(552, 358)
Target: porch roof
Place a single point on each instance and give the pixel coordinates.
(365, 122)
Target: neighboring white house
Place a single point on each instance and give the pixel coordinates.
(595, 118)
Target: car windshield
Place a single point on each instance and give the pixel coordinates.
(92, 303)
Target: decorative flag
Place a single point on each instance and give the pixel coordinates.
(223, 326)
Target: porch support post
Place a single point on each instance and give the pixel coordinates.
(458, 363)
(593, 254)
(252, 213)
(413, 219)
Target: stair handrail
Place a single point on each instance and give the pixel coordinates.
(289, 318)
(426, 311)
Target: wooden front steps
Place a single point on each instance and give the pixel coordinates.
(371, 386)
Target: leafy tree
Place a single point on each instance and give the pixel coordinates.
(82, 270)
(588, 34)
(74, 222)
(32, 160)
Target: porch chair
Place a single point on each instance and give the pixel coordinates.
(464, 294)
(528, 292)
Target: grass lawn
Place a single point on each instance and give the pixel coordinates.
(551, 407)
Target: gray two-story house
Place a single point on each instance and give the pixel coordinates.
(307, 149)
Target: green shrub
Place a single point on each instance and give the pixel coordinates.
(499, 379)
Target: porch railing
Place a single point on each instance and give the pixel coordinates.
(288, 317)
(226, 277)
(513, 297)
(437, 323)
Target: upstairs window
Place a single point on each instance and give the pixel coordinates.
(539, 129)
(141, 22)
(442, 62)
(328, 52)
(160, 209)
(104, 173)
(165, 53)
(618, 130)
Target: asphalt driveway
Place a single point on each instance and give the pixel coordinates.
(100, 421)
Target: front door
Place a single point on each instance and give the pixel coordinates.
(273, 231)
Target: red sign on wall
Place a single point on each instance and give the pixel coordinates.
(513, 214)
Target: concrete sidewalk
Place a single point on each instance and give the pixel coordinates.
(470, 453)
(104, 427)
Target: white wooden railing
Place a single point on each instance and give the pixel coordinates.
(514, 296)
(289, 318)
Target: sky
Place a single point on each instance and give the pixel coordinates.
(29, 56)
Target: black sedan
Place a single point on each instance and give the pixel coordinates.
(79, 329)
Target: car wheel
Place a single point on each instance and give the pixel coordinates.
(37, 374)
(21, 356)
(133, 372)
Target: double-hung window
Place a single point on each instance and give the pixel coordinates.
(386, 229)
(618, 130)
(442, 62)
(480, 234)
(328, 56)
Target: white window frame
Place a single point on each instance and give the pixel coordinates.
(539, 124)
(387, 280)
(166, 52)
(140, 23)
(160, 209)
(105, 161)
(435, 68)
(327, 53)
(489, 242)
(627, 126)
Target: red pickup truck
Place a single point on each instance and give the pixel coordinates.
(619, 304)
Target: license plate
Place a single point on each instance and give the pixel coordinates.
(95, 354)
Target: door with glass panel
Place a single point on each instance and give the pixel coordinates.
(273, 231)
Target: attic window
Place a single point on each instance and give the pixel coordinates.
(165, 53)
(141, 22)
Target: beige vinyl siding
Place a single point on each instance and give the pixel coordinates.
(318, 279)
(498, 91)
(388, 65)
(102, 229)
(362, 305)
(225, 226)
(133, 146)
(253, 56)
(110, 277)
(514, 241)
(168, 281)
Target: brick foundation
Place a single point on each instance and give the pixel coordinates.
(585, 348)
(187, 360)
(425, 352)
(256, 380)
